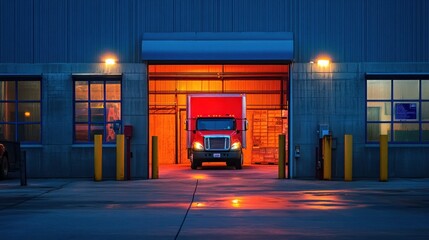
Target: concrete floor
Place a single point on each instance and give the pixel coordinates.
(214, 202)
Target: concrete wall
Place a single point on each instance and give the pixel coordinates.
(336, 96)
(57, 156)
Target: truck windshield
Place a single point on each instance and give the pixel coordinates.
(215, 124)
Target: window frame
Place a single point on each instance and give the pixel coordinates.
(419, 121)
(104, 79)
(17, 123)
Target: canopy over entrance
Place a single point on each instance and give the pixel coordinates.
(203, 46)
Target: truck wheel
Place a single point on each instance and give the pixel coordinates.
(194, 165)
(4, 167)
(239, 162)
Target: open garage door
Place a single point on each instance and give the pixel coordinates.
(266, 87)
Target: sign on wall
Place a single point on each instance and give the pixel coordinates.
(406, 111)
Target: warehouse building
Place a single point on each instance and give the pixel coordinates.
(70, 69)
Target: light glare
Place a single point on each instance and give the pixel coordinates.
(110, 61)
(323, 62)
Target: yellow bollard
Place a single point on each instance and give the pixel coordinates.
(155, 173)
(98, 156)
(383, 158)
(281, 151)
(348, 157)
(327, 157)
(120, 153)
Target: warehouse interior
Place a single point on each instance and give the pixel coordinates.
(267, 90)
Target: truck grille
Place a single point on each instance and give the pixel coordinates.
(216, 143)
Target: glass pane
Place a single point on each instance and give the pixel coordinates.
(425, 132)
(215, 124)
(113, 111)
(81, 90)
(81, 132)
(7, 112)
(425, 111)
(29, 132)
(7, 91)
(29, 90)
(374, 130)
(406, 132)
(378, 111)
(96, 129)
(113, 91)
(112, 129)
(81, 112)
(378, 89)
(406, 111)
(29, 112)
(97, 112)
(97, 92)
(7, 132)
(406, 89)
(425, 89)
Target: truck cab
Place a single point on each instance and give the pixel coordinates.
(216, 127)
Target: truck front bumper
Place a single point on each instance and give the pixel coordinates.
(216, 156)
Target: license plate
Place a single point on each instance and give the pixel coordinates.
(216, 155)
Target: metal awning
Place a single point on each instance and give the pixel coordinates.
(199, 46)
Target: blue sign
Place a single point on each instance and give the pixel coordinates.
(406, 111)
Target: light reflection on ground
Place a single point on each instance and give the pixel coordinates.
(294, 200)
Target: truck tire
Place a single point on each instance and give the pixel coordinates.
(194, 165)
(239, 163)
(4, 167)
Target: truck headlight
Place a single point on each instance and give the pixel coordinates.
(236, 146)
(197, 146)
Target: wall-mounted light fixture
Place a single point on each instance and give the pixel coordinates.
(323, 62)
(110, 61)
(27, 114)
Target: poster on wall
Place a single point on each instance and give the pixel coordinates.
(406, 111)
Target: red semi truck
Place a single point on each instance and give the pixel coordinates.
(216, 127)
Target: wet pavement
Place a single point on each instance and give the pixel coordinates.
(214, 202)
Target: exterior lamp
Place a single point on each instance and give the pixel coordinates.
(27, 114)
(323, 62)
(110, 61)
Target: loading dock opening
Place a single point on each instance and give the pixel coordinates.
(267, 90)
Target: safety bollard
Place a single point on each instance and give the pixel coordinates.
(327, 157)
(348, 157)
(155, 173)
(120, 153)
(98, 155)
(281, 151)
(383, 158)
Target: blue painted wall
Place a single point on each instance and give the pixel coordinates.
(57, 38)
(81, 31)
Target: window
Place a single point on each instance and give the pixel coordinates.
(398, 106)
(97, 107)
(20, 108)
(215, 124)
